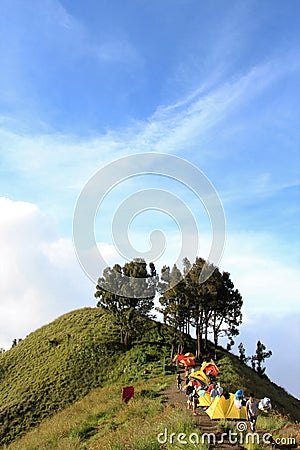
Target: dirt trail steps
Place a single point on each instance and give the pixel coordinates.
(202, 420)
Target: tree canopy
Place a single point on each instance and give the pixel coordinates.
(186, 302)
(212, 306)
(128, 292)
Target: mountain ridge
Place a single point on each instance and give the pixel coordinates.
(65, 360)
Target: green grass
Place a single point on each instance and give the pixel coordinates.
(39, 377)
(63, 361)
(272, 421)
(101, 420)
(75, 367)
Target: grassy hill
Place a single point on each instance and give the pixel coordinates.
(77, 360)
(63, 361)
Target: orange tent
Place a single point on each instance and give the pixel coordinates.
(187, 360)
(210, 367)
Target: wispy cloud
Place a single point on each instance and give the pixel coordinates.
(44, 48)
(202, 110)
(60, 161)
(265, 276)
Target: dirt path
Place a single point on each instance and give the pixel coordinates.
(201, 420)
(210, 427)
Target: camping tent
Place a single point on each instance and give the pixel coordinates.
(210, 367)
(187, 360)
(222, 408)
(199, 378)
(204, 398)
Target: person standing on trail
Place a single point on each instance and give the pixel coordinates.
(220, 390)
(210, 388)
(213, 393)
(195, 397)
(179, 381)
(252, 411)
(186, 374)
(189, 392)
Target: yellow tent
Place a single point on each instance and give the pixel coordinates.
(222, 408)
(233, 412)
(204, 398)
(199, 375)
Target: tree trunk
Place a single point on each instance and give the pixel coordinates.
(127, 339)
(188, 327)
(180, 348)
(199, 341)
(172, 352)
(173, 343)
(205, 337)
(216, 338)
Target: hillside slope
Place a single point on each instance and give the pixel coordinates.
(66, 359)
(235, 375)
(63, 361)
(101, 421)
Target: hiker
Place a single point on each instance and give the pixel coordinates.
(189, 391)
(179, 381)
(265, 405)
(219, 389)
(213, 393)
(195, 397)
(252, 411)
(210, 387)
(239, 399)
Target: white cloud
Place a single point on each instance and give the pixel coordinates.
(270, 288)
(40, 277)
(281, 335)
(268, 282)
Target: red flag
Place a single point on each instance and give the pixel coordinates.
(127, 393)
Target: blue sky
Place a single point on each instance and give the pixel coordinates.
(85, 83)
